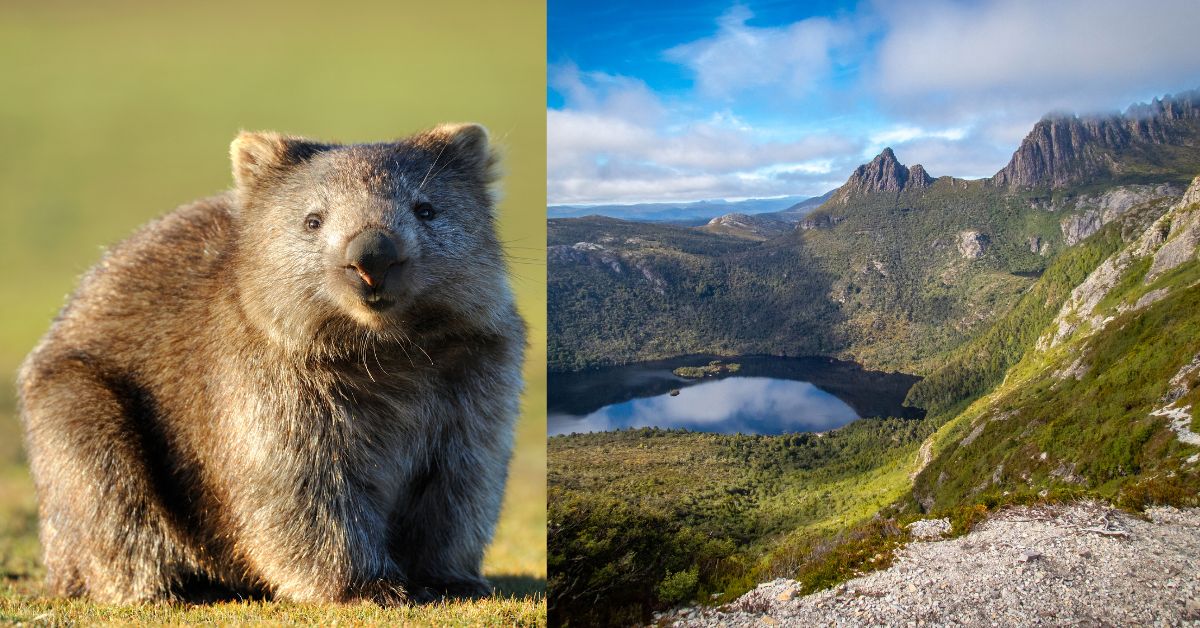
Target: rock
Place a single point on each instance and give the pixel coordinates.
(882, 174)
(972, 244)
(820, 221)
(1037, 245)
(786, 596)
(1077, 228)
(1150, 298)
(929, 528)
(1062, 150)
(1180, 246)
(1107, 207)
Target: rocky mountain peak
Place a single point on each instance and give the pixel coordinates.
(1064, 149)
(884, 173)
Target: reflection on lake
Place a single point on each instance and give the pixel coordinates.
(768, 395)
(749, 405)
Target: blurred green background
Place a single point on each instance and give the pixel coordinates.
(116, 112)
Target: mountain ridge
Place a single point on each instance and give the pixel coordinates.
(1066, 149)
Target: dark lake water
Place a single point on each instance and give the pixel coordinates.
(768, 395)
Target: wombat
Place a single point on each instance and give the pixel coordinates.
(302, 389)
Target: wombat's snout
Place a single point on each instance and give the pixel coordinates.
(369, 257)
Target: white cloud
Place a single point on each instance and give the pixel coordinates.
(795, 58)
(952, 85)
(614, 141)
(1023, 58)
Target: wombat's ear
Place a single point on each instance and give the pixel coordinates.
(260, 154)
(468, 146)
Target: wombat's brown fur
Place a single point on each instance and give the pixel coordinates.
(303, 389)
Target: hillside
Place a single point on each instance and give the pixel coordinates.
(1077, 564)
(1100, 396)
(894, 270)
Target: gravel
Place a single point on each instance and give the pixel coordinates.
(1079, 564)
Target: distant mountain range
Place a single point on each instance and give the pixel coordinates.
(696, 212)
(893, 269)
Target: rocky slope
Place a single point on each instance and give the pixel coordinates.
(1080, 564)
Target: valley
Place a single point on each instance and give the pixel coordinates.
(1050, 312)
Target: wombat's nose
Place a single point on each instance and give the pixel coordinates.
(371, 254)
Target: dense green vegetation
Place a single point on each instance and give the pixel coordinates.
(1091, 427)
(880, 280)
(978, 365)
(643, 519)
(715, 367)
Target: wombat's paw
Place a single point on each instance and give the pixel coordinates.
(383, 593)
(471, 589)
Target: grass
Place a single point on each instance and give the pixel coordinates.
(1037, 433)
(644, 519)
(118, 112)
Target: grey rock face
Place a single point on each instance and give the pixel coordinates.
(883, 174)
(1105, 208)
(588, 253)
(1066, 149)
(1077, 228)
(1038, 245)
(972, 244)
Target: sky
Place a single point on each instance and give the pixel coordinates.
(681, 101)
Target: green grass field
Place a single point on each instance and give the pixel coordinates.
(117, 112)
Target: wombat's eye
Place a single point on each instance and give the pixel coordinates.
(424, 211)
(312, 222)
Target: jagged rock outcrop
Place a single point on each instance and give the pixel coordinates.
(883, 174)
(1107, 207)
(1183, 237)
(820, 221)
(1062, 149)
(1038, 245)
(972, 244)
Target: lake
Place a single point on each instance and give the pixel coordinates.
(767, 395)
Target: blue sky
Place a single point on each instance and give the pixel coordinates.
(677, 101)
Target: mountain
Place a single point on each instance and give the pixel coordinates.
(691, 212)
(804, 207)
(1148, 141)
(882, 174)
(894, 270)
